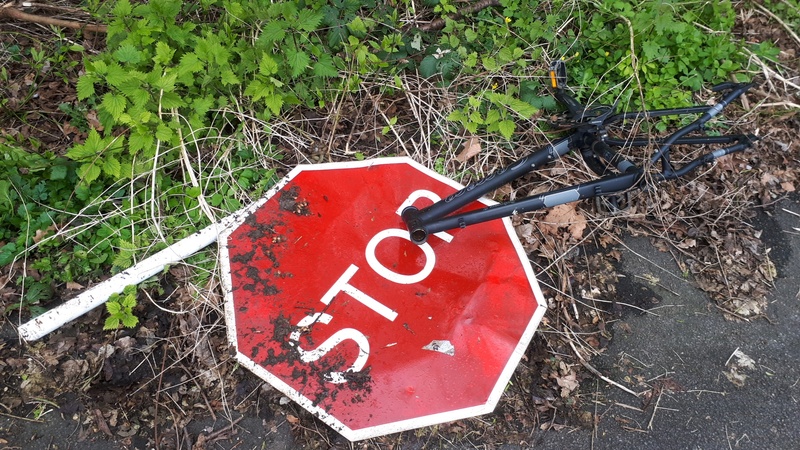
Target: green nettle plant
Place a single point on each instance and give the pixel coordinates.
(120, 309)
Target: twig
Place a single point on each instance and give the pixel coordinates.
(656, 283)
(778, 19)
(8, 10)
(791, 212)
(768, 70)
(597, 372)
(226, 429)
(20, 418)
(655, 409)
(731, 357)
(628, 406)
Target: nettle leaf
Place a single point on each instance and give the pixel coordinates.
(308, 20)
(171, 100)
(99, 67)
(164, 53)
(116, 75)
(129, 320)
(274, 102)
(257, 90)
(90, 148)
(85, 87)
(88, 172)
(201, 105)
(111, 166)
(229, 78)
(274, 31)
(111, 323)
(267, 65)
(129, 302)
(506, 128)
(298, 61)
(127, 53)
(357, 27)
(324, 66)
(163, 81)
(139, 139)
(122, 8)
(114, 104)
(190, 63)
(163, 132)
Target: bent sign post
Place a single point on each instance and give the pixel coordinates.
(328, 300)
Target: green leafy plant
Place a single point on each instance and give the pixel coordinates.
(120, 309)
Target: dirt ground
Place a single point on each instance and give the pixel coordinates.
(709, 369)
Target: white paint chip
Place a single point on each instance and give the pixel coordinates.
(445, 347)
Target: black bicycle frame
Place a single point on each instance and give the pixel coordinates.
(590, 137)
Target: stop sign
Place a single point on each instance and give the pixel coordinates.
(329, 301)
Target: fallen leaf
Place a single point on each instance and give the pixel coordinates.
(568, 384)
(73, 286)
(787, 186)
(292, 419)
(471, 148)
(566, 216)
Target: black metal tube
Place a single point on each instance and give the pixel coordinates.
(656, 113)
(478, 189)
(608, 185)
(690, 140)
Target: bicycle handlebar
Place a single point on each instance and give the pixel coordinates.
(591, 138)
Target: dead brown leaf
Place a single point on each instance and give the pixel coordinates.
(565, 216)
(73, 286)
(471, 148)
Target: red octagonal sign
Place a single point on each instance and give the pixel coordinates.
(330, 302)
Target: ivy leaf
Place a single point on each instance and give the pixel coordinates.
(429, 66)
(298, 60)
(58, 172)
